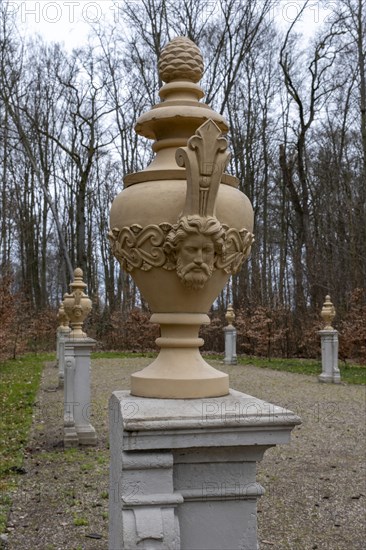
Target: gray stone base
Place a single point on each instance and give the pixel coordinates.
(77, 393)
(86, 435)
(183, 472)
(329, 344)
(70, 437)
(330, 379)
(230, 346)
(233, 361)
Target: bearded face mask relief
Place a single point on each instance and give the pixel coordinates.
(194, 244)
(195, 260)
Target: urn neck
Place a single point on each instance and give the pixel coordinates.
(173, 121)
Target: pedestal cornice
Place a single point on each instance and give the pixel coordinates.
(236, 419)
(80, 342)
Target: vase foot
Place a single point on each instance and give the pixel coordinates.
(197, 383)
(179, 371)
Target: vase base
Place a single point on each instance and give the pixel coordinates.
(168, 388)
(179, 371)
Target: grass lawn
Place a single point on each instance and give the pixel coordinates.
(350, 372)
(19, 383)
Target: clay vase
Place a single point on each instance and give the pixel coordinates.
(181, 227)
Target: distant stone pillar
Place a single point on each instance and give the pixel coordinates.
(77, 372)
(82, 408)
(59, 313)
(329, 345)
(63, 332)
(57, 347)
(70, 435)
(230, 338)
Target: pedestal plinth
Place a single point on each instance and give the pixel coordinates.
(57, 347)
(329, 345)
(62, 336)
(183, 472)
(70, 435)
(77, 392)
(230, 346)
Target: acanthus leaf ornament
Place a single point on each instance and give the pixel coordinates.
(237, 250)
(205, 159)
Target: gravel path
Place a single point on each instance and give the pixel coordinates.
(315, 486)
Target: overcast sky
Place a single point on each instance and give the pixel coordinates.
(69, 20)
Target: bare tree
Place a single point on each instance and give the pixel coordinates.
(12, 96)
(309, 93)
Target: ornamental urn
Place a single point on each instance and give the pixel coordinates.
(63, 319)
(181, 227)
(77, 305)
(230, 315)
(328, 313)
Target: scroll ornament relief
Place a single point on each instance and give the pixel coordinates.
(143, 248)
(198, 243)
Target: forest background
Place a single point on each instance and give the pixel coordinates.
(297, 117)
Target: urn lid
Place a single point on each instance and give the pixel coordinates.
(173, 121)
(181, 59)
(78, 283)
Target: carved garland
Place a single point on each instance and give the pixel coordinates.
(143, 248)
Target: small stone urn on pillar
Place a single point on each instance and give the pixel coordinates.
(329, 345)
(230, 337)
(77, 426)
(63, 332)
(183, 445)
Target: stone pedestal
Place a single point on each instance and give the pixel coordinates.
(329, 345)
(70, 435)
(230, 345)
(77, 392)
(183, 472)
(57, 347)
(62, 336)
